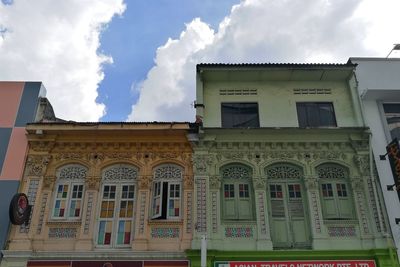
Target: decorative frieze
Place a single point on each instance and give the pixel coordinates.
(164, 232)
(341, 231)
(59, 233)
(239, 232)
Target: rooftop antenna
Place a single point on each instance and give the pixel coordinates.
(395, 47)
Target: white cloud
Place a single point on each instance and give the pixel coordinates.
(57, 43)
(265, 31)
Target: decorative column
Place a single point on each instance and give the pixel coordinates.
(140, 241)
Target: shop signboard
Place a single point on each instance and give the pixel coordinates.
(311, 263)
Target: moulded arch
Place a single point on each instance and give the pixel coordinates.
(61, 167)
(249, 168)
(168, 164)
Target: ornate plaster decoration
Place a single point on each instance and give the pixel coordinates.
(59, 233)
(72, 172)
(328, 155)
(188, 182)
(363, 164)
(239, 232)
(119, 155)
(144, 182)
(41, 146)
(282, 155)
(201, 162)
(331, 172)
(283, 171)
(69, 156)
(164, 232)
(92, 182)
(120, 173)
(311, 182)
(37, 165)
(235, 172)
(341, 231)
(168, 171)
(363, 212)
(215, 182)
(259, 183)
(48, 182)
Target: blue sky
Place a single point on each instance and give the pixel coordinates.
(133, 38)
(119, 60)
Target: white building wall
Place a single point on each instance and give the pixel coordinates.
(379, 82)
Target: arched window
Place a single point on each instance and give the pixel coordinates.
(167, 191)
(237, 192)
(335, 192)
(116, 213)
(69, 191)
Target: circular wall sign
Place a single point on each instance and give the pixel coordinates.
(19, 209)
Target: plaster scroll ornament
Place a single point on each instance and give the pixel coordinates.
(200, 164)
(357, 183)
(259, 183)
(95, 157)
(144, 182)
(168, 155)
(48, 182)
(42, 146)
(363, 164)
(235, 172)
(37, 165)
(188, 182)
(92, 182)
(215, 182)
(311, 182)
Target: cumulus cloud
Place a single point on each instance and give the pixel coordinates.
(57, 43)
(258, 31)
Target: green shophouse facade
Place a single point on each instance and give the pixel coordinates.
(283, 168)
